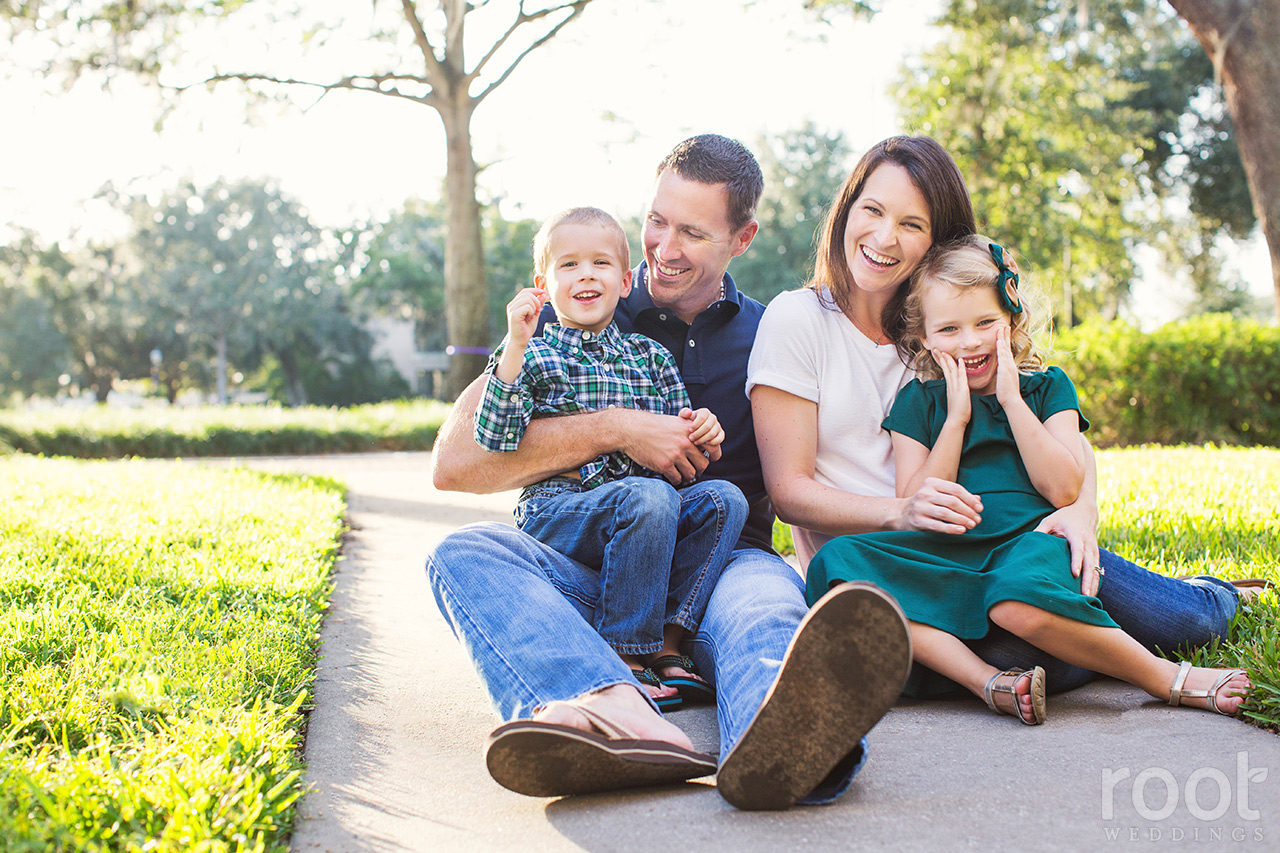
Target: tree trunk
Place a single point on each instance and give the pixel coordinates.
(466, 292)
(220, 369)
(295, 391)
(1241, 38)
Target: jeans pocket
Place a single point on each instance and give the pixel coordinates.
(536, 497)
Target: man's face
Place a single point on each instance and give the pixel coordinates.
(688, 242)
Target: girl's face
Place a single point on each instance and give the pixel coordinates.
(888, 231)
(962, 323)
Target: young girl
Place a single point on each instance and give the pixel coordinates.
(987, 414)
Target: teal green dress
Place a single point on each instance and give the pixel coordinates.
(951, 581)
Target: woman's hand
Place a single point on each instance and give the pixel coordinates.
(942, 507)
(959, 405)
(1008, 386)
(1076, 524)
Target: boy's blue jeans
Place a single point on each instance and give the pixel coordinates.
(659, 550)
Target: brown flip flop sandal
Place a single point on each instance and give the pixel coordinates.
(540, 759)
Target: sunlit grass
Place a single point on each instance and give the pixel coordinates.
(168, 432)
(158, 627)
(1197, 510)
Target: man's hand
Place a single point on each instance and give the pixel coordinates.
(661, 443)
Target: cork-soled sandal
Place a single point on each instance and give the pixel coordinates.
(1038, 708)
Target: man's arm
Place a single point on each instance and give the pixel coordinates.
(554, 445)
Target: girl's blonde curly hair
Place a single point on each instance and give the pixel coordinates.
(968, 263)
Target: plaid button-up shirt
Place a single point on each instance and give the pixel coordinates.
(571, 370)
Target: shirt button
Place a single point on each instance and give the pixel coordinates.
(586, 336)
(511, 435)
(662, 317)
(692, 344)
(515, 397)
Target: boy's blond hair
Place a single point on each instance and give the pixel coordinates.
(967, 263)
(576, 216)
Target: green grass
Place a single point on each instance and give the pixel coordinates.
(1198, 510)
(158, 629)
(103, 433)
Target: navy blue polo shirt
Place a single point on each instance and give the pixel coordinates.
(712, 356)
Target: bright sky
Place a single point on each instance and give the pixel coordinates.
(582, 121)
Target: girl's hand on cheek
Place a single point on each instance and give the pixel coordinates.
(1008, 389)
(959, 406)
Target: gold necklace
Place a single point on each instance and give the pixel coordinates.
(879, 340)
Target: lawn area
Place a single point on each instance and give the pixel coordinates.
(158, 631)
(100, 432)
(1197, 510)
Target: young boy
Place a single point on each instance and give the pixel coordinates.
(659, 549)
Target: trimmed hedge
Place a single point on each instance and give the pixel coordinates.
(1209, 379)
(103, 433)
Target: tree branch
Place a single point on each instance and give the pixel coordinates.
(422, 41)
(576, 8)
(360, 83)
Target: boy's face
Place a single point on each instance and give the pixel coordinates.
(586, 276)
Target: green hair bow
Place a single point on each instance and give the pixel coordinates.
(1007, 283)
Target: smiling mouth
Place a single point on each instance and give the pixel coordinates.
(669, 272)
(975, 365)
(878, 259)
(587, 295)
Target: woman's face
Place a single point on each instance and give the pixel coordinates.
(888, 231)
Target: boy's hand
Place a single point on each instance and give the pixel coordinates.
(959, 406)
(522, 315)
(1008, 387)
(705, 431)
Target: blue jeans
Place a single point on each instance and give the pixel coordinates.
(1164, 614)
(659, 550)
(524, 615)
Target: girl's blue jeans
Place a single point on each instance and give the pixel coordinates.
(659, 549)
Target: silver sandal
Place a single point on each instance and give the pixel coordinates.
(1038, 708)
(1177, 693)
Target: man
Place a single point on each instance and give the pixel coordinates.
(797, 691)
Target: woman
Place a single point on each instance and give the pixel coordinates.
(824, 373)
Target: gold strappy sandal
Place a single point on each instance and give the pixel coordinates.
(1177, 693)
(1038, 708)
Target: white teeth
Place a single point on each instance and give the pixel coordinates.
(670, 272)
(876, 257)
(588, 294)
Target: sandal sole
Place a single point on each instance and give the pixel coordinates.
(843, 670)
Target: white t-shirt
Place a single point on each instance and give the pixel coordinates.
(816, 353)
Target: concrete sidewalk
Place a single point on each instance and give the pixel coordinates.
(394, 744)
